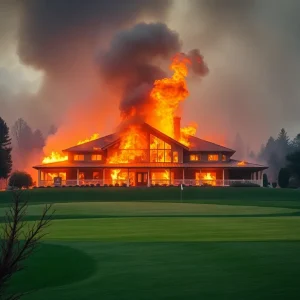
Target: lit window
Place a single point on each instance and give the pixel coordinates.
(81, 175)
(96, 157)
(78, 157)
(213, 157)
(224, 157)
(194, 157)
(175, 156)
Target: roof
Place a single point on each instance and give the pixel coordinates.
(197, 144)
(83, 164)
(98, 144)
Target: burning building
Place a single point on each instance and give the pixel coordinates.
(150, 147)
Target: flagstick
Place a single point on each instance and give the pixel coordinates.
(181, 189)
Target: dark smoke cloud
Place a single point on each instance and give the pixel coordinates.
(131, 60)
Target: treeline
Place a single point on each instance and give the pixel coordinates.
(19, 145)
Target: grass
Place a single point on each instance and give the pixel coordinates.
(129, 244)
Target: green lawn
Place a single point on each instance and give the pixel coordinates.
(146, 244)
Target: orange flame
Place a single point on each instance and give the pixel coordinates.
(54, 157)
(241, 163)
(91, 138)
(168, 93)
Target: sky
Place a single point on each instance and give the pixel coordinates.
(49, 70)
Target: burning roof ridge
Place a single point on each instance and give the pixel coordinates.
(196, 137)
(92, 141)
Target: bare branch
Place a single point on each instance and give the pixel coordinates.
(13, 250)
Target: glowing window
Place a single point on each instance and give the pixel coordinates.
(224, 158)
(78, 157)
(168, 156)
(213, 157)
(194, 157)
(81, 175)
(96, 157)
(175, 156)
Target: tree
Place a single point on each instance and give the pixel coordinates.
(18, 240)
(296, 143)
(293, 160)
(284, 177)
(5, 150)
(20, 180)
(23, 135)
(265, 180)
(38, 141)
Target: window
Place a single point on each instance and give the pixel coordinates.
(81, 175)
(224, 158)
(194, 157)
(78, 157)
(213, 157)
(160, 151)
(175, 156)
(96, 175)
(96, 157)
(206, 178)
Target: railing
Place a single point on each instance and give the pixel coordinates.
(154, 182)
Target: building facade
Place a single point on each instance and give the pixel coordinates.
(161, 161)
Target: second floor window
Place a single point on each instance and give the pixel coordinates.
(224, 158)
(78, 157)
(194, 157)
(213, 157)
(96, 157)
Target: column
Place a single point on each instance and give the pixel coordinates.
(128, 177)
(77, 177)
(39, 178)
(182, 175)
(103, 176)
(169, 176)
(148, 183)
(223, 177)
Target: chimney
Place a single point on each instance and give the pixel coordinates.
(176, 124)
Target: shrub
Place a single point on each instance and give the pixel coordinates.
(284, 177)
(20, 180)
(274, 185)
(244, 184)
(265, 180)
(294, 182)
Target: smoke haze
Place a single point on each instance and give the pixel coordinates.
(49, 64)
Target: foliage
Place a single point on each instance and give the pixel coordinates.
(20, 180)
(17, 241)
(293, 160)
(244, 184)
(5, 150)
(265, 180)
(284, 177)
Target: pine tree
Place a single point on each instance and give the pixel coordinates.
(5, 150)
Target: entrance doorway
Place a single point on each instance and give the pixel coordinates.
(141, 178)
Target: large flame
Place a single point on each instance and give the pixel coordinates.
(54, 157)
(167, 94)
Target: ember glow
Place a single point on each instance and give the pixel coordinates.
(241, 163)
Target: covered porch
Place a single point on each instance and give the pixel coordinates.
(142, 176)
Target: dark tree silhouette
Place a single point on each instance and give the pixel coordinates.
(293, 160)
(5, 150)
(284, 177)
(18, 241)
(20, 180)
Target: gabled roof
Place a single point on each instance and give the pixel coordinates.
(197, 144)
